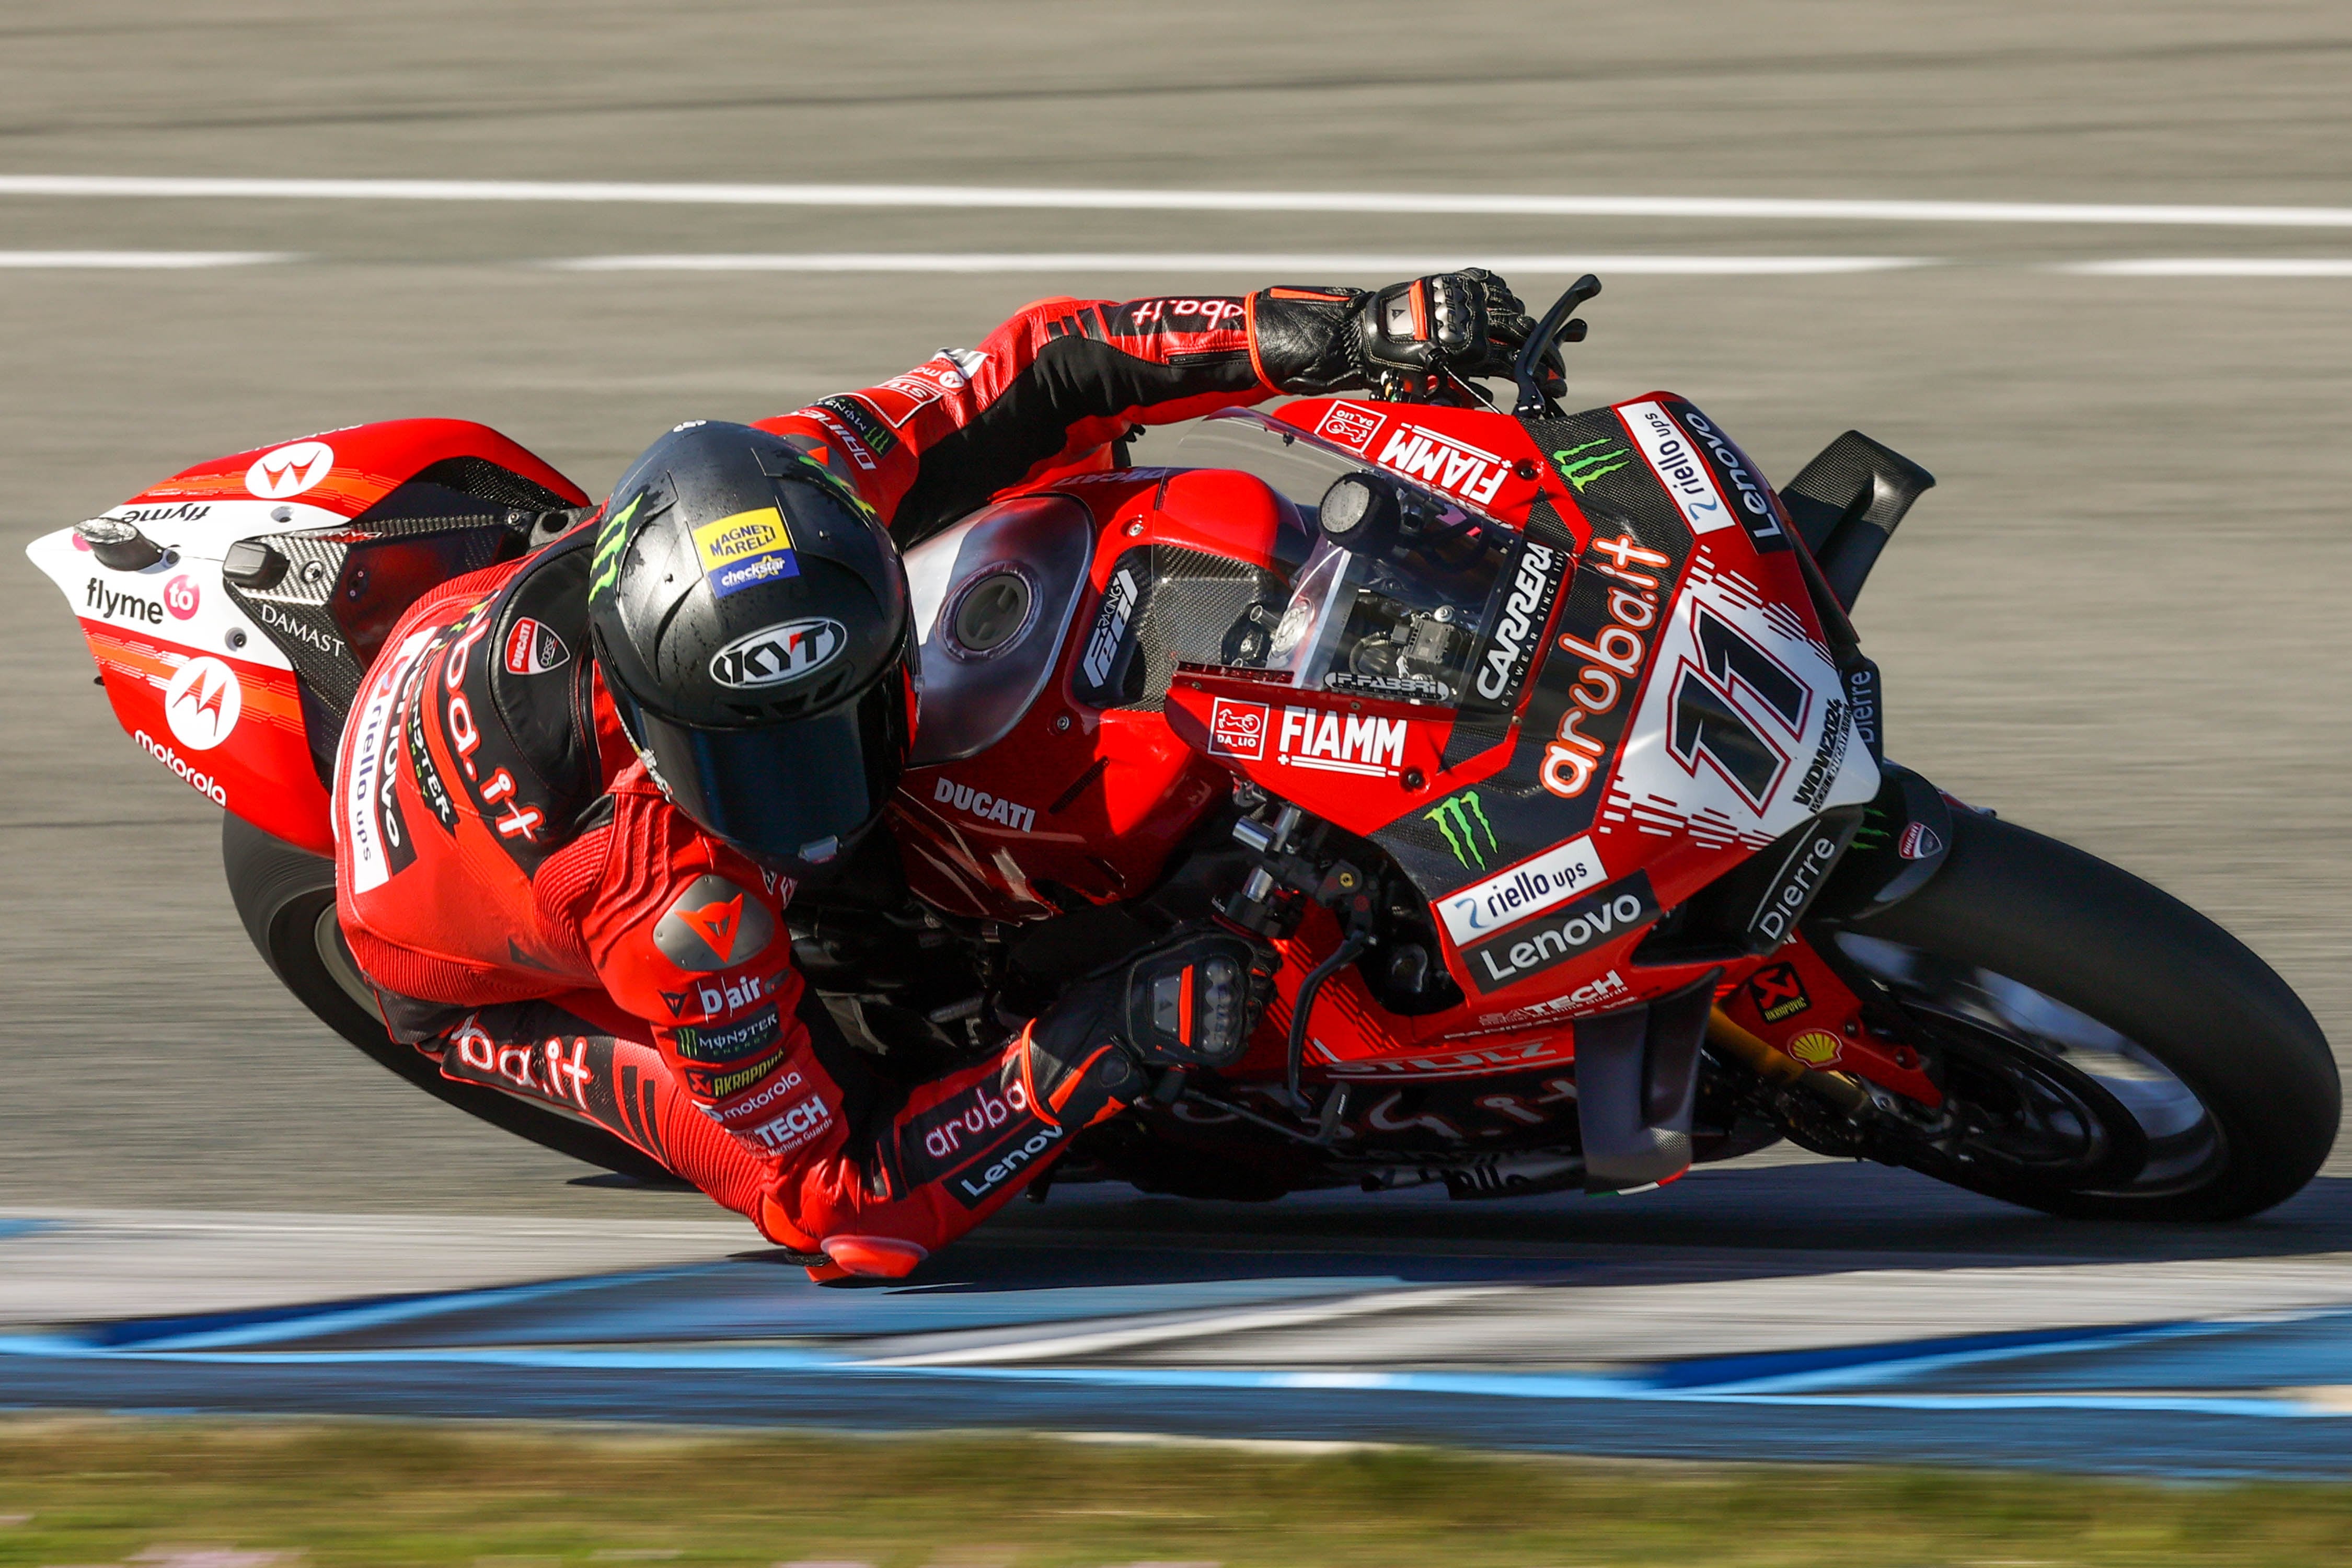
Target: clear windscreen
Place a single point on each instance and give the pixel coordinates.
(1402, 616)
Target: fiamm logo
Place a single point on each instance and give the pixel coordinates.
(1464, 822)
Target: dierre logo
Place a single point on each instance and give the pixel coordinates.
(1602, 916)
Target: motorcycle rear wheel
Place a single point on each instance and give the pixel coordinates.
(2109, 1052)
(287, 898)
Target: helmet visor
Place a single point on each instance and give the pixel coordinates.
(790, 796)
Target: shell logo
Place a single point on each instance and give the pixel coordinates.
(1814, 1048)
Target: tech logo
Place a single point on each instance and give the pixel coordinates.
(203, 702)
(712, 924)
(290, 469)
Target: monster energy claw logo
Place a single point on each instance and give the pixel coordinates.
(1582, 471)
(604, 569)
(1463, 820)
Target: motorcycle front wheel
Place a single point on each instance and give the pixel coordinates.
(2105, 1051)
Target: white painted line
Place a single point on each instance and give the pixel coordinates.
(2216, 267)
(986, 196)
(116, 259)
(1094, 1342)
(1236, 261)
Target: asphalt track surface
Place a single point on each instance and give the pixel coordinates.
(2119, 620)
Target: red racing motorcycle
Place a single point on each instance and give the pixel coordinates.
(1539, 744)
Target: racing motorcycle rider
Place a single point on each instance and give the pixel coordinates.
(578, 789)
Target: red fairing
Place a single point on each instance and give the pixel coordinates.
(229, 729)
(350, 469)
(1090, 799)
(1480, 458)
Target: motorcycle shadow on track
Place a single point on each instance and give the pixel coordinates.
(1777, 1222)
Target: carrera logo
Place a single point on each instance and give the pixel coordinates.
(534, 649)
(774, 655)
(290, 469)
(201, 703)
(1526, 888)
(1515, 631)
(1238, 729)
(1677, 465)
(1340, 743)
(1602, 916)
(1446, 462)
(1111, 626)
(984, 806)
(1350, 426)
(712, 924)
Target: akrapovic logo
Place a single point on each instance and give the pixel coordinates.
(1514, 633)
(1111, 626)
(773, 655)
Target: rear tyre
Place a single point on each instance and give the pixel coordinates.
(2110, 1053)
(287, 898)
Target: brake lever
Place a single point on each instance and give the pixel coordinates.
(1535, 403)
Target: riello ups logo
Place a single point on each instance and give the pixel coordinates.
(1527, 950)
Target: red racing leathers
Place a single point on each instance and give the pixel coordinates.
(534, 910)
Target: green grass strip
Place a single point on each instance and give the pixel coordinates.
(219, 1494)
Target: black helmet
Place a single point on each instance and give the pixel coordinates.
(751, 618)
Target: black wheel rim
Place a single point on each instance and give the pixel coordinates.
(2045, 1092)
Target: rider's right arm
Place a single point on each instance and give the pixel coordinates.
(690, 937)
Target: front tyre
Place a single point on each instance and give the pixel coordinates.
(2106, 1052)
(287, 898)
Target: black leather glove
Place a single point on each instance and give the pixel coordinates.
(1190, 1001)
(1392, 341)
